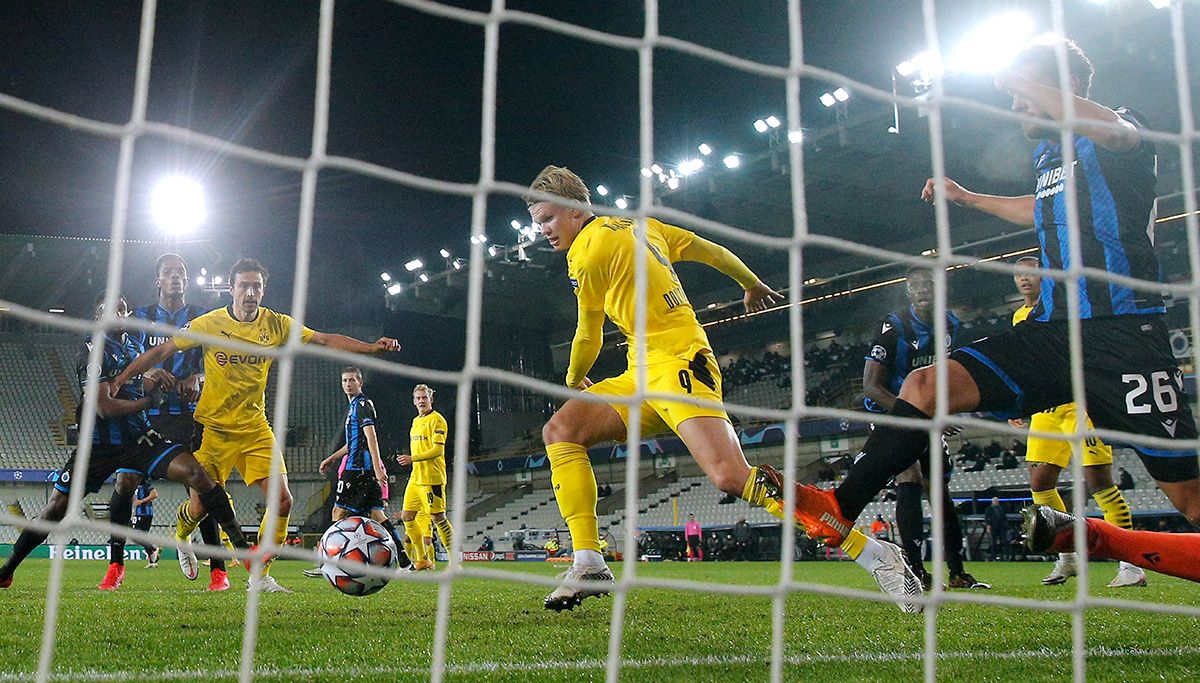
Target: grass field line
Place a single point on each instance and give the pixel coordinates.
(590, 664)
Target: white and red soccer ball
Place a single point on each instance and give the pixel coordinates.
(357, 539)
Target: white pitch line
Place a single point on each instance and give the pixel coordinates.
(599, 664)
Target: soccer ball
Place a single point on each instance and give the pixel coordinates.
(357, 539)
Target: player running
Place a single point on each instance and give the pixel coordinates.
(123, 440)
(906, 342)
(232, 408)
(1132, 381)
(1048, 457)
(362, 478)
(600, 263)
(426, 489)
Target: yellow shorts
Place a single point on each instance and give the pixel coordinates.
(670, 377)
(422, 498)
(1062, 420)
(249, 452)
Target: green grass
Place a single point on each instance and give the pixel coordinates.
(159, 625)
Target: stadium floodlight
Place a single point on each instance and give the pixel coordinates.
(459, 263)
(647, 172)
(413, 265)
(841, 95)
(423, 277)
(178, 205)
(673, 183)
(445, 253)
(385, 276)
(732, 161)
(204, 271)
(216, 280)
(993, 44)
(602, 190)
(690, 166)
(760, 126)
(622, 203)
(200, 280)
(56, 310)
(828, 99)
(516, 224)
(905, 69)
(773, 121)
(795, 136)
(656, 169)
(893, 130)
(493, 250)
(705, 149)
(394, 288)
(479, 239)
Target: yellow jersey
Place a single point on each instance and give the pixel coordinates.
(601, 266)
(427, 443)
(1021, 314)
(235, 382)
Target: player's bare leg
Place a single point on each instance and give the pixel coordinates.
(574, 427)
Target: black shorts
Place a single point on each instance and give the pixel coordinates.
(181, 429)
(358, 491)
(1131, 380)
(149, 456)
(143, 522)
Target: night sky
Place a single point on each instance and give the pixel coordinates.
(406, 94)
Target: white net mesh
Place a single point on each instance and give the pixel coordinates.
(473, 371)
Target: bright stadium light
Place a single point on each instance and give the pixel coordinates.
(602, 190)
(828, 100)
(993, 44)
(732, 161)
(690, 166)
(423, 277)
(178, 205)
(773, 121)
(204, 271)
(647, 172)
(622, 203)
(493, 250)
(760, 126)
(516, 224)
(479, 239)
(385, 276)
(704, 149)
(673, 183)
(459, 263)
(795, 136)
(200, 280)
(841, 95)
(413, 265)
(656, 169)
(445, 253)
(905, 69)
(217, 280)
(394, 288)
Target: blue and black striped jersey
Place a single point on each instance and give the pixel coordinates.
(1115, 198)
(118, 353)
(360, 414)
(143, 490)
(184, 363)
(905, 343)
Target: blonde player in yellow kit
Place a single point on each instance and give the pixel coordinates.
(426, 490)
(1047, 458)
(600, 263)
(232, 407)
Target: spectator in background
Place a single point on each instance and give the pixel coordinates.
(728, 547)
(1125, 481)
(553, 546)
(712, 546)
(742, 538)
(1008, 461)
(488, 544)
(694, 535)
(880, 528)
(995, 521)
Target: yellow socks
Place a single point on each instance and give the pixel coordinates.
(854, 543)
(756, 494)
(575, 490)
(445, 531)
(1050, 499)
(281, 525)
(1113, 505)
(185, 524)
(413, 545)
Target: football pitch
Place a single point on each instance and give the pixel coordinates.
(159, 626)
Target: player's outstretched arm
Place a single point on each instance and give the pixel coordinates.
(1049, 99)
(334, 457)
(343, 343)
(144, 362)
(585, 347)
(758, 295)
(1018, 210)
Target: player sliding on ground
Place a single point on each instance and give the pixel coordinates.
(232, 407)
(1132, 381)
(122, 440)
(1048, 457)
(679, 360)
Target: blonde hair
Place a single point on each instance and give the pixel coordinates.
(424, 387)
(559, 181)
